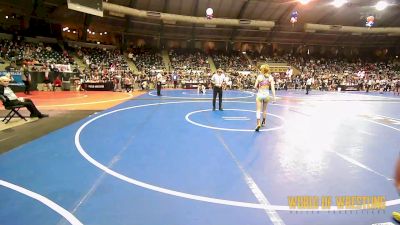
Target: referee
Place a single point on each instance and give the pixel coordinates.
(217, 81)
(159, 83)
(308, 85)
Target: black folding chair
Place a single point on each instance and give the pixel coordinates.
(13, 110)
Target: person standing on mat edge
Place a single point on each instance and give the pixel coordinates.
(12, 99)
(159, 83)
(175, 79)
(308, 84)
(264, 82)
(26, 78)
(217, 80)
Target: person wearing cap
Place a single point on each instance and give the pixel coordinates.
(12, 99)
(217, 81)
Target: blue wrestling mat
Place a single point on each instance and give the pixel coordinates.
(172, 160)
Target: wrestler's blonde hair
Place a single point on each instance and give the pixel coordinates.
(265, 69)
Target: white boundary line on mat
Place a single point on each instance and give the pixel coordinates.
(183, 194)
(52, 205)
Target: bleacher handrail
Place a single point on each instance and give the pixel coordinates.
(89, 45)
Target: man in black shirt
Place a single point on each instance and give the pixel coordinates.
(26, 78)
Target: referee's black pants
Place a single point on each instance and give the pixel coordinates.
(27, 87)
(158, 88)
(308, 87)
(217, 90)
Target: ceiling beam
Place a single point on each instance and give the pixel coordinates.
(239, 16)
(132, 4)
(34, 8)
(271, 35)
(391, 19)
(86, 23)
(164, 10)
(287, 12)
(194, 13)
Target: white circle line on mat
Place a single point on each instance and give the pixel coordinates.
(187, 117)
(183, 194)
(231, 98)
(52, 205)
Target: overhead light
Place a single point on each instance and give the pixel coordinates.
(74, 32)
(101, 33)
(68, 31)
(339, 3)
(98, 42)
(93, 32)
(65, 28)
(381, 5)
(244, 53)
(88, 30)
(6, 17)
(105, 32)
(304, 2)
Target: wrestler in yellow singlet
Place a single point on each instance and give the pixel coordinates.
(263, 83)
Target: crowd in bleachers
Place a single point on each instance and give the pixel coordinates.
(182, 59)
(330, 74)
(34, 54)
(192, 66)
(235, 61)
(102, 58)
(146, 59)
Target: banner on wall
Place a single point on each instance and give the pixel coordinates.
(16, 78)
(62, 67)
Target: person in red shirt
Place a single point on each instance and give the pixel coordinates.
(57, 83)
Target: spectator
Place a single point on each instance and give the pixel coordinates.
(12, 99)
(57, 83)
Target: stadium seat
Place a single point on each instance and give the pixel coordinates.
(13, 110)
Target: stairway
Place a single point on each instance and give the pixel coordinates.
(212, 64)
(131, 64)
(78, 61)
(296, 71)
(166, 60)
(249, 60)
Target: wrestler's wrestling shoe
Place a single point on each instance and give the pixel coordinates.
(263, 123)
(396, 216)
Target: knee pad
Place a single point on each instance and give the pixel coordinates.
(258, 114)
